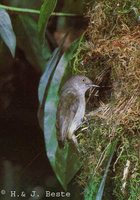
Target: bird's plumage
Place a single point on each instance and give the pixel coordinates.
(71, 107)
(67, 109)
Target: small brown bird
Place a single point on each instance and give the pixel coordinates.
(71, 107)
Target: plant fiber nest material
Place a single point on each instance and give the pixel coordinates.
(113, 43)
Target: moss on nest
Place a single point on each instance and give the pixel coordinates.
(110, 56)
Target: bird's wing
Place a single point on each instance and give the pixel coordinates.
(66, 111)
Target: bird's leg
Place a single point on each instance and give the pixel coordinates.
(85, 121)
(74, 139)
(96, 112)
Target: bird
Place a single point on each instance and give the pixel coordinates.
(71, 107)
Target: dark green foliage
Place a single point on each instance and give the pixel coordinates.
(45, 12)
(27, 40)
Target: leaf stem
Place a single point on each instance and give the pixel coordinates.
(33, 11)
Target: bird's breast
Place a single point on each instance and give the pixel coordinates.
(80, 111)
(77, 120)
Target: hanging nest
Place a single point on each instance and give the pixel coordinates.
(111, 58)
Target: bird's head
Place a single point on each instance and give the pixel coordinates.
(80, 83)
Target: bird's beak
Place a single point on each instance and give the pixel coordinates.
(92, 85)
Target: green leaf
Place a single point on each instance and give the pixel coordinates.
(102, 184)
(44, 83)
(45, 12)
(6, 31)
(96, 185)
(27, 40)
(64, 161)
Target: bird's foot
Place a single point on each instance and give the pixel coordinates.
(96, 112)
(85, 121)
(74, 139)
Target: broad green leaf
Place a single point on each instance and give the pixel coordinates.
(44, 81)
(46, 10)
(6, 31)
(50, 67)
(27, 40)
(64, 161)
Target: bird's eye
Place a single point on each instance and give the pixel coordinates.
(83, 80)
